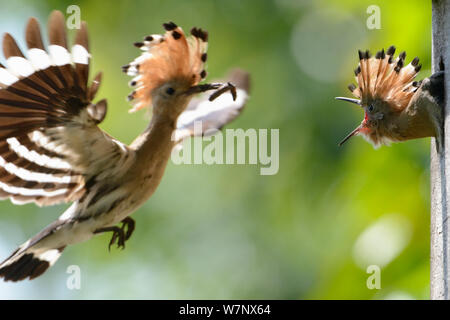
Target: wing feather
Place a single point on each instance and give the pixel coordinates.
(33, 35)
(10, 47)
(56, 29)
(213, 115)
(50, 144)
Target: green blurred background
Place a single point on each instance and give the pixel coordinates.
(224, 231)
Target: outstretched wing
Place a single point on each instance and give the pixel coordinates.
(50, 145)
(204, 117)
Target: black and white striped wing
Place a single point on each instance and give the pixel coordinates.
(203, 117)
(49, 140)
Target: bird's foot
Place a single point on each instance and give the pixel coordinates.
(120, 234)
(130, 225)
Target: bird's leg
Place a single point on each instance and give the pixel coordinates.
(119, 233)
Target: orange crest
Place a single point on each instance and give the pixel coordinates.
(385, 78)
(167, 57)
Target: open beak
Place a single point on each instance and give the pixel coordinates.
(358, 128)
(355, 101)
(351, 134)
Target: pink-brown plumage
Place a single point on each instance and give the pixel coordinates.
(383, 77)
(396, 107)
(167, 57)
(52, 150)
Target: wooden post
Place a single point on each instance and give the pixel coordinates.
(440, 162)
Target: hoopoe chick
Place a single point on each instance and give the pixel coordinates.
(52, 151)
(396, 108)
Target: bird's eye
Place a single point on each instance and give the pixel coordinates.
(370, 108)
(170, 91)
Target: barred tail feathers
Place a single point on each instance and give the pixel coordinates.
(36, 255)
(28, 262)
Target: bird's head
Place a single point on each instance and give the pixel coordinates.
(167, 74)
(171, 97)
(375, 122)
(385, 88)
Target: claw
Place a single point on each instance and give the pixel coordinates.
(130, 224)
(119, 234)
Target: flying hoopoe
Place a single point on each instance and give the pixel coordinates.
(396, 108)
(52, 151)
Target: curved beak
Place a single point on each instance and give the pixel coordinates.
(202, 88)
(221, 89)
(351, 134)
(355, 101)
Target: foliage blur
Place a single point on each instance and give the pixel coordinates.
(224, 231)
